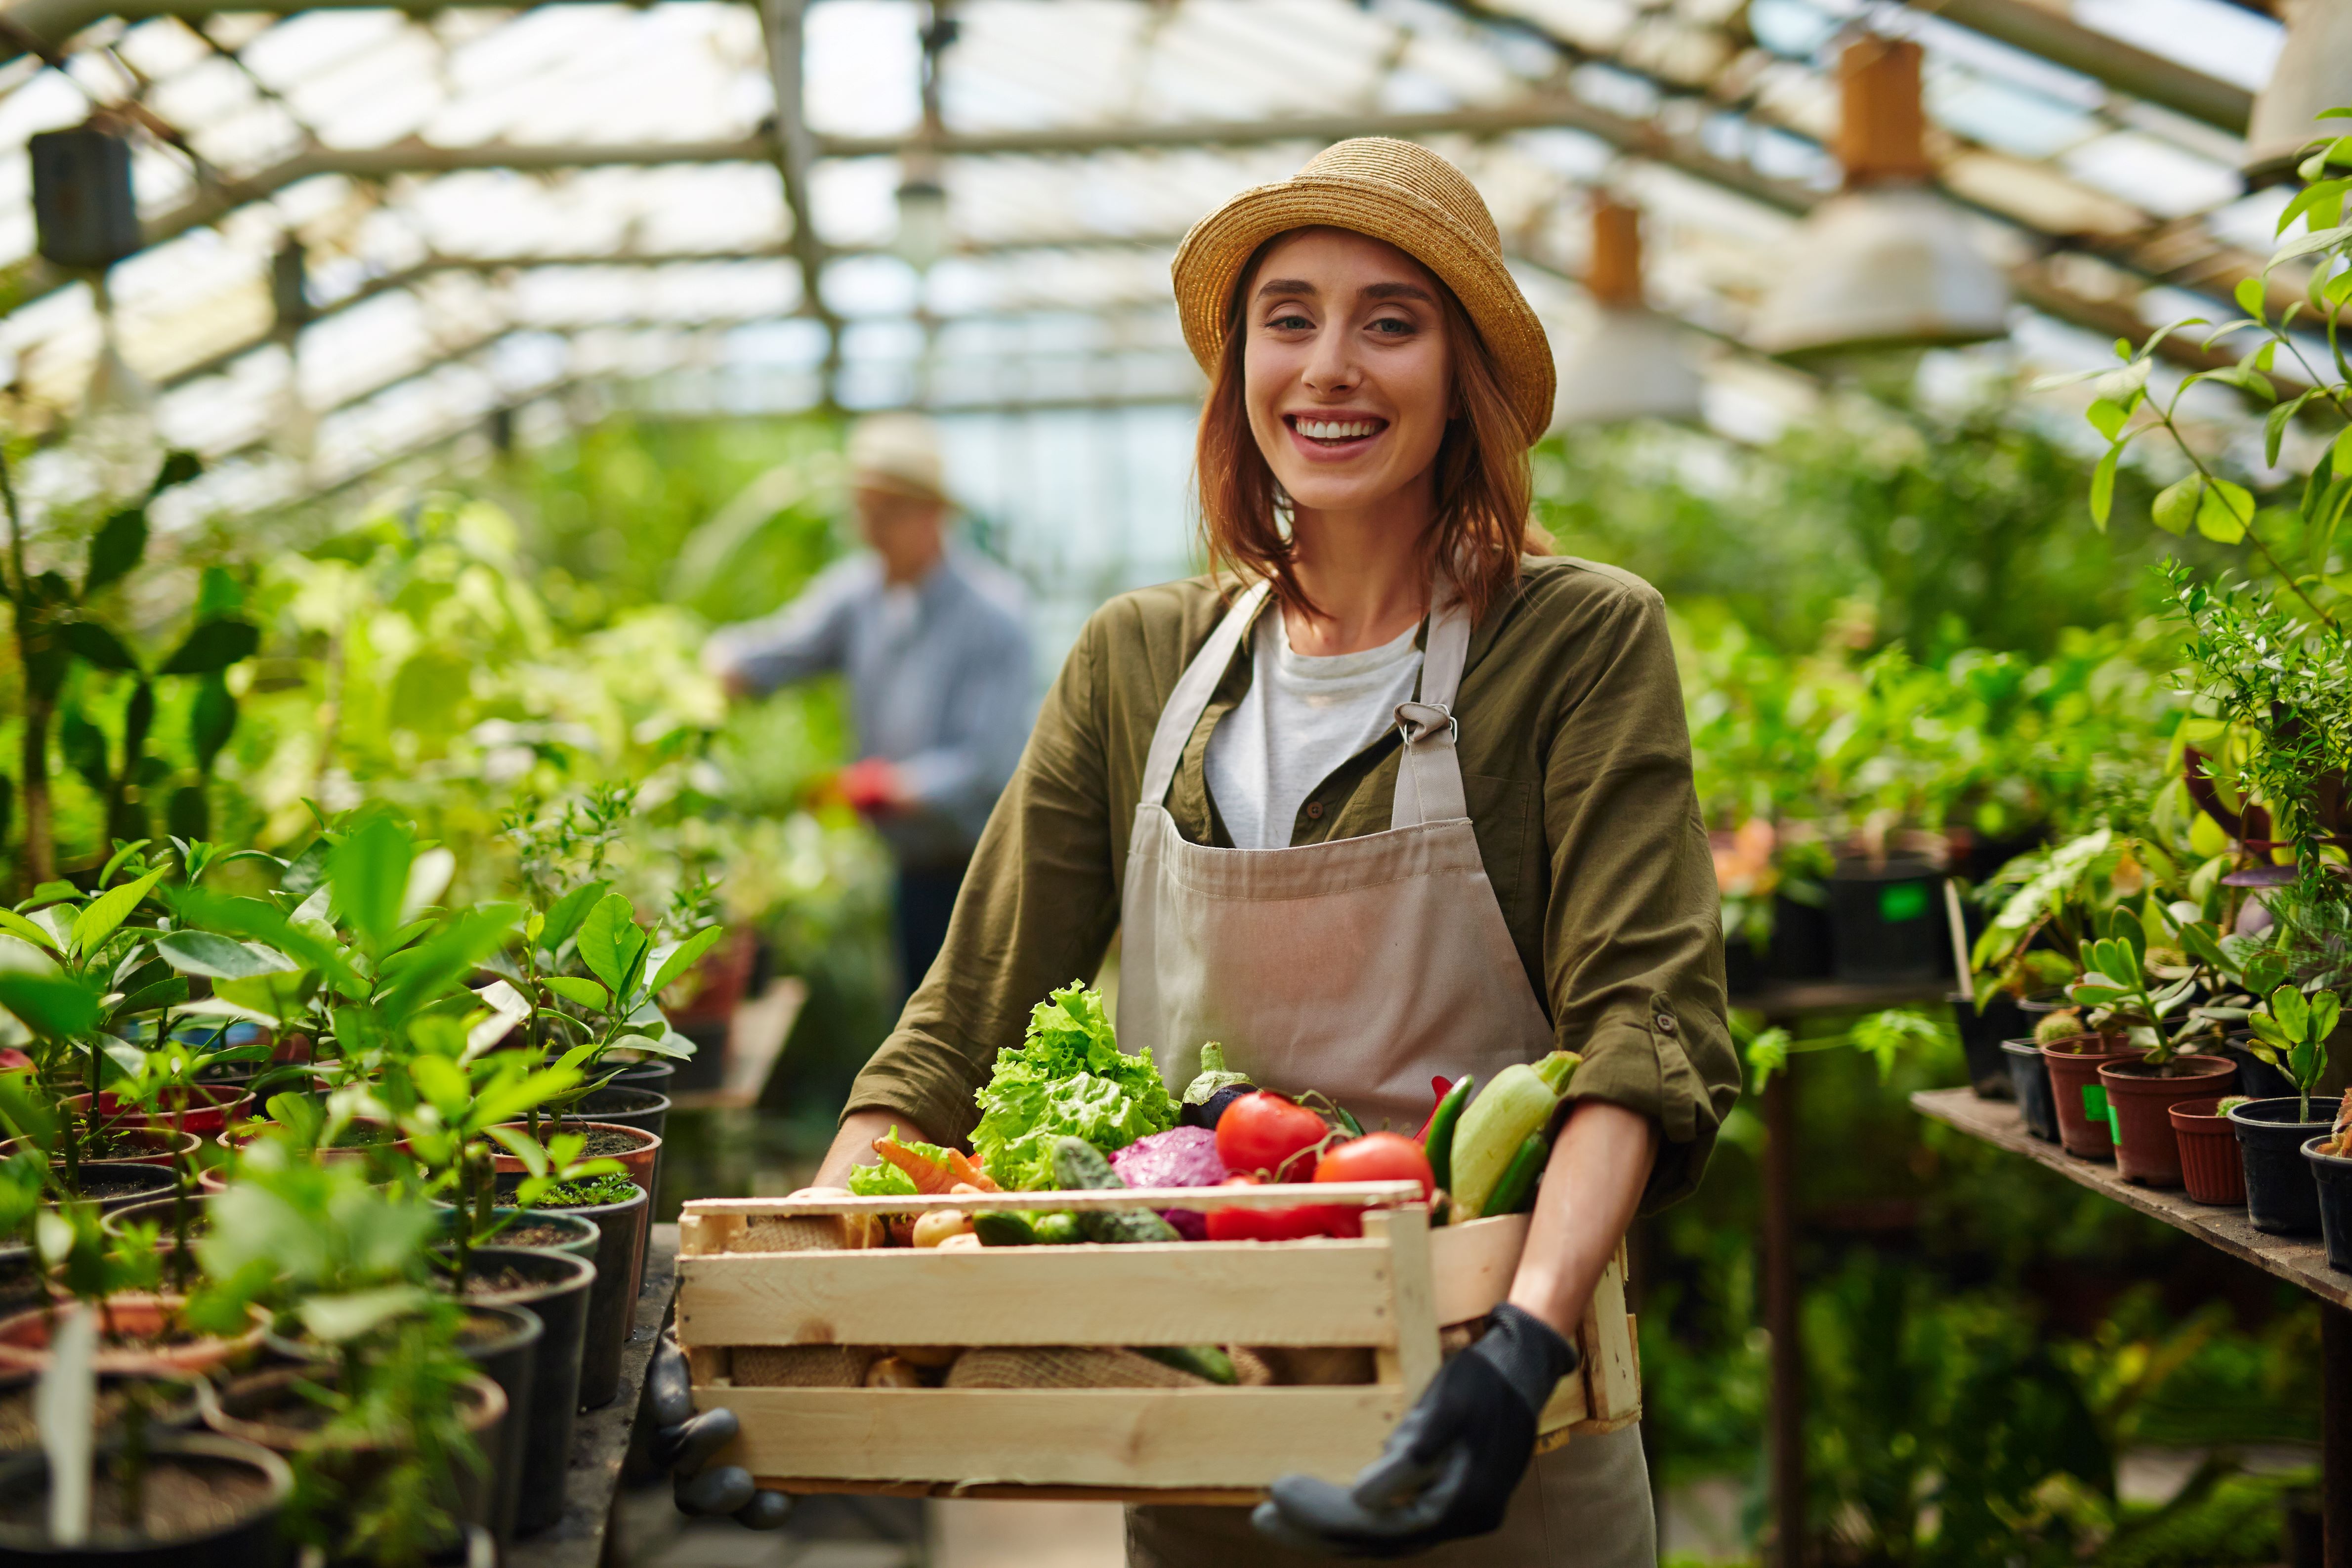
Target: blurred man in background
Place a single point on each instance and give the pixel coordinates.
(933, 641)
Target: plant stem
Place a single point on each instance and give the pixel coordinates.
(2206, 475)
(40, 705)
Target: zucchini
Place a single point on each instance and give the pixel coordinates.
(1442, 1124)
(1059, 1228)
(1517, 1189)
(1201, 1360)
(1003, 1228)
(1518, 1104)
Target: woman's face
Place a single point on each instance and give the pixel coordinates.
(1345, 368)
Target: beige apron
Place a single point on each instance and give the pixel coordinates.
(1358, 967)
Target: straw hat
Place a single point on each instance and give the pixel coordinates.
(1390, 190)
(899, 453)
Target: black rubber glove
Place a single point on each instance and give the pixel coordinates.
(1451, 1465)
(685, 1442)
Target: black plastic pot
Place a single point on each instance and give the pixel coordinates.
(653, 1073)
(503, 1341)
(1981, 1034)
(612, 1300)
(118, 1183)
(648, 1110)
(2281, 1194)
(1886, 922)
(583, 1247)
(2257, 1079)
(556, 1289)
(1743, 967)
(21, 1282)
(251, 1541)
(2029, 1080)
(1800, 940)
(2332, 1172)
(707, 1068)
(252, 1408)
(157, 1212)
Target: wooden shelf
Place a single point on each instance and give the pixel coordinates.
(2298, 1260)
(1791, 998)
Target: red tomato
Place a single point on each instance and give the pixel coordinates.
(1277, 1224)
(1265, 1133)
(1378, 1157)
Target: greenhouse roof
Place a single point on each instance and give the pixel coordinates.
(501, 212)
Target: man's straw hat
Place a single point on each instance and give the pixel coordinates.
(899, 453)
(1390, 190)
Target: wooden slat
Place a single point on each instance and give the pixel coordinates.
(1122, 1437)
(1612, 1380)
(1414, 1360)
(1351, 1195)
(1471, 1265)
(1307, 1293)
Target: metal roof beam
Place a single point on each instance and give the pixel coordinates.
(2048, 32)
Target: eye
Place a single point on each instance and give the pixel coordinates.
(1290, 322)
(1394, 327)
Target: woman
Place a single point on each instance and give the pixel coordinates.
(1381, 799)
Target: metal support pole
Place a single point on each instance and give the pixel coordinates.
(1785, 1421)
(2336, 1435)
(795, 154)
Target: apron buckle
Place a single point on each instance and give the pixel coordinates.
(1415, 721)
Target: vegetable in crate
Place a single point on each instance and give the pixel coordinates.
(1079, 1167)
(1179, 1157)
(1520, 1102)
(1215, 1088)
(1271, 1135)
(891, 1177)
(1066, 1079)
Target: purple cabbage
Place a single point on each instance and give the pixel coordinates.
(1179, 1157)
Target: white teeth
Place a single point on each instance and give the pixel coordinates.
(1331, 430)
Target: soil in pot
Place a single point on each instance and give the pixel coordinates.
(114, 1186)
(1981, 1034)
(555, 1288)
(2140, 1095)
(201, 1109)
(162, 1214)
(2211, 1168)
(140, 1335)
(648, 1110)
(2078, 1096)
(207, 1502)
(612, 1300)
(2029, 1077)
(171, 1406)
(123, 1146)
(635, 1150)
(2333, 1176)
(2281, 1194)
(503, 1342)
(267, 1408)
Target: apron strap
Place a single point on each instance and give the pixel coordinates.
(1193, 688)
(1429, 773)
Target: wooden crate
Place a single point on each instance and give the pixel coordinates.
(769, 1272)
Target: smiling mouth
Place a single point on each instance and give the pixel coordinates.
(1334, 432)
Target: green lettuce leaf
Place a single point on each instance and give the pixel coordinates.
(885, 1180)
(1066, 1079)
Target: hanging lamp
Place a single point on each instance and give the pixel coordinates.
(1634, 364)
(1888, 263)
(2314, 72)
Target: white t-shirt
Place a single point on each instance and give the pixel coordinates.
(1303, 716)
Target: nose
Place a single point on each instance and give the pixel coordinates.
(1331, 367)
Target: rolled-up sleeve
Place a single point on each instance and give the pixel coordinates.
(1633, 938)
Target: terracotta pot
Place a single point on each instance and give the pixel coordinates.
(2072, 1072)
(2139, 1095)
(147, 1146)
(638, 1160)
(25, 1339)
(201, 1109)
(2211, 1167)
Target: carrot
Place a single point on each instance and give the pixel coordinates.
(929, 1179)
(967, 1169)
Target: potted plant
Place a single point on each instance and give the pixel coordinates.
(2072, 1055)
(2331, 1167)
(2211, 1168)
(2156, 1020)
(554, 1287)
(617, 1208)
(2029, 1076)
(2281, 1194)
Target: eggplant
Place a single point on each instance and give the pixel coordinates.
(1207, 1115)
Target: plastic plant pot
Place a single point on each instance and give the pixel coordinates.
(255, 1409)
(527, 1228)
(2281, 1194)
(2257, 1079)
(161, 1213)
(135, 1315)
(2211, 1168)
(653, 1073)
(503, 1341)
(2139, 1095)
(647, 1109)
(1800, 940)
(555, 1288)
(2078, 1096)
(2333, 1176)
(118, 1183)
(136, 1146)
(634, 1148)
(2029, 1077)
(613, 1302)
(1981, 1035)
(204, 1109)
(212, 1464)
(1886, 922)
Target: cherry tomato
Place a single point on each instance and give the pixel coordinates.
(1265, 1133)
(1378, 1157)
(1277, 1224)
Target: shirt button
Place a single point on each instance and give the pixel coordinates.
(1314, 811)
(1665, 1022)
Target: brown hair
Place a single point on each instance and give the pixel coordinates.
(1480, 529)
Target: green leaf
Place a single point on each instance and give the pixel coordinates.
(212, 718)
(49, 1004)
(677, 1047)
(214, 645)
(2107, 417)
(2175, 507)
(2249, 295)
(2223, 511)
(2326, 1010)
(505, 1102)
(97, 646)
(115, 549)
(203, 952)
(609, 939)
(443, 1082)
(109, 911)
(439, 965)
(2103, 486)
(16, 925)
(217, 594)
(178, 468)
(147, 998)
(337, 1320)
(572, 988)
(524, 1147)
(673, 960)
(565, 917)
(2293, 1013)
(369, 871)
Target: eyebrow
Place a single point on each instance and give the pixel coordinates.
(1377, 291)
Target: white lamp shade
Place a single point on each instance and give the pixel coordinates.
(1633, 364)
(922, 236)
(1882, 268)
(2314, 72)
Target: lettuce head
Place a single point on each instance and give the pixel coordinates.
(1066, 1079)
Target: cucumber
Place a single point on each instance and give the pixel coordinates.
(1002, 1228)
(1125, 1226)
(1080, 1167)
(1441, 1123)
(1517, 1188)
(1201, 1360)
(1058, 1229)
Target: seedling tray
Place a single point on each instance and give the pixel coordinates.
(769, 1272)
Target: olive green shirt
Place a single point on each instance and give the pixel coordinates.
(1576, 762)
